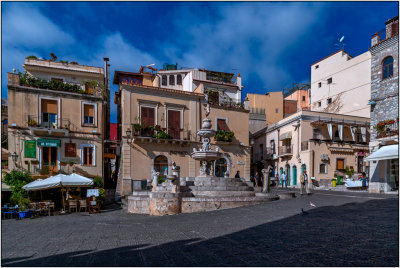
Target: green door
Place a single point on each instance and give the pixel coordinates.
(288, 174)
(294, 175)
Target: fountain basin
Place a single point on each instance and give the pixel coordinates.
(206, 155)
(206, 133)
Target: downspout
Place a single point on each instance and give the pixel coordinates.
(312, 162)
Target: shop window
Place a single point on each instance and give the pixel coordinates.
(70, 149)
(164, 80)
(179, 79)
(172, 80)
(387, 67)
(88, 114)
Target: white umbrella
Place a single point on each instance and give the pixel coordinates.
(59, 180)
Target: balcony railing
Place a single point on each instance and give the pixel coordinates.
(264, 155)
(48, 122)
(286, 150)
(388, 130)
(175, 134)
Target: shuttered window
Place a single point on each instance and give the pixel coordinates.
(49, 106)
(172, 80)
(174, 123)
(339, 163)
(88, 114)
(164, 80)
(70, 149)
(147, 116)
(222, 125)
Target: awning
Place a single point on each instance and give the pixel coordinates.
(49, 143)
(286, 135)
(59, 180)
(385, 152)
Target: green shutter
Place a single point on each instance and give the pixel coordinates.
(30, 149)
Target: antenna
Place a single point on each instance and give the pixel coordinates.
(340, 44)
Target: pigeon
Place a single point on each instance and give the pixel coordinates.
(303, 212)
(311, 204)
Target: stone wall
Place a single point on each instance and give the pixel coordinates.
(384, 91)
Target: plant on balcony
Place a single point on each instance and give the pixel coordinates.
(31, 122)
(161, 134)
(223, 135)
(136, 128)
(94, 84)
(31, 57)
(27, 80)
(53, 56)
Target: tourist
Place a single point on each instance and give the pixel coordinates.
(304, 183)
(283, 177)
(237, 175)
(256, 179)
(363, 179)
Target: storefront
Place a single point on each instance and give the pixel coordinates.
(49, 154)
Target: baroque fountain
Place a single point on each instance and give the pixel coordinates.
(202, 193)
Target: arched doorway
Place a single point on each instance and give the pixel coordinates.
(161, 165)
(220, 167)
(287, 169)
(294, 171)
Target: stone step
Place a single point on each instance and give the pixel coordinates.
(221, 188)
(222, 183)
(223, 193)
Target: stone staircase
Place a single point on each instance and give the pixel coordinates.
(220, 187)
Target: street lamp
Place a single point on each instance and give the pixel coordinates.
(128, 135)
(252, 142)
(14, 157)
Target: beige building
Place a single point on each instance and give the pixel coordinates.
(270, 104)
(321, 143)
(56, 118)
(159, 127)
(341, 84)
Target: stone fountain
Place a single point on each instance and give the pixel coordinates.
(202, 193)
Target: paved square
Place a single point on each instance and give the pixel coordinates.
(345, 229)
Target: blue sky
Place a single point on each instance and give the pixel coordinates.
(271, 44)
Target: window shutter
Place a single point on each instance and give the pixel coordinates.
(70, 149)
(49, 106)
(147, 115)
(221, 125)
(174, 123)
(89, 110)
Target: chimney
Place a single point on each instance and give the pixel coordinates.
(375, 39)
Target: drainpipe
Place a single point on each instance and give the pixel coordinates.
(312, 163)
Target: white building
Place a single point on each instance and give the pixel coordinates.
(341, 84)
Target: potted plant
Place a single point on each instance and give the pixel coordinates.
(31, 122)
(137, 128)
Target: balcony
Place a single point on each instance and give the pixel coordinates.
(161, 135)
(217, 98)
(264, 155)
(286, 150)
(48, 125)
(388, 128)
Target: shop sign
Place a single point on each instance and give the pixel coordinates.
(240, 162)
(49, 143)
(30, 149)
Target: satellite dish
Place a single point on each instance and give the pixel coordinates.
(341, 39)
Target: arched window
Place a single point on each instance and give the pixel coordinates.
(387, 67)
(164, 80)
(172, 80)
(161, 165)
(179, 79)
(220, 167)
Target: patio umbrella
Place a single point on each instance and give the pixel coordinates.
(60, 180)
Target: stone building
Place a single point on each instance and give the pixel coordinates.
(55, 115)
(321, 143)
(384, 102)
(158, 123)
(341, 84)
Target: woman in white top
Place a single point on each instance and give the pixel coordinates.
(283, 177)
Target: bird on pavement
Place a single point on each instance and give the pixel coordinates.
(311, 204)
(303, 212)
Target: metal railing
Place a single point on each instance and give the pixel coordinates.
(389, 131)
(175, 134)
(48, 122)
(286, 149)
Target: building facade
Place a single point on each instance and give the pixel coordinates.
(341, 84)
(159, 127)
(270, 104)
(296, 98)
(321, 143)
(384, 104)
(56, 118)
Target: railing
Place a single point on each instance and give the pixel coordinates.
(264, 155)
(224, 101)
(175, 134)
(48, 122)
(304, 145)
(286, 149)
(389, 130)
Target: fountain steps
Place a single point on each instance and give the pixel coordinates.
(221, 188)
(213, 193)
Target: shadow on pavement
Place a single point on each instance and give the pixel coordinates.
(354, 234)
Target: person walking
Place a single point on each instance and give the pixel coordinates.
(283, 177)
(256, 179)
(237, 175)
(304, 183)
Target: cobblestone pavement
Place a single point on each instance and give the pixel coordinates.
(345, 229)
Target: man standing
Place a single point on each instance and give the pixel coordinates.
(304, 183)
(283, 177)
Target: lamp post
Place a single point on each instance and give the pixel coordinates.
(14, 157)
(129, 135)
